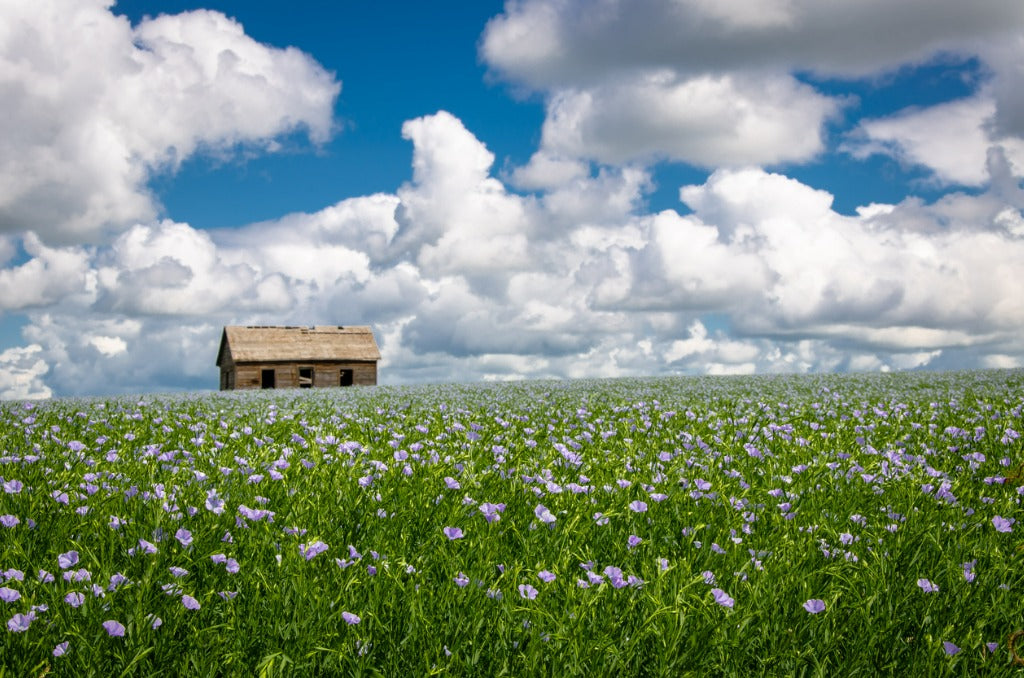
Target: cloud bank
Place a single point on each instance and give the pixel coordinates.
(466, 280)
(93, 107)
(552, 269)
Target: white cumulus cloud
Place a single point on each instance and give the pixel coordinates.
(93, 107)
(464, 279)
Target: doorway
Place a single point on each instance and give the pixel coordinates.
(267, 378)
(346, 378)
(305, 377)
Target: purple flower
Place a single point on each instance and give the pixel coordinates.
(231, 566)
(350, 618)
(453, 533)
(157, 623)
(178, 571)
(189, 602)
(114, 628)
(950, 648)
(709, 577)
(461, 580)
(60, 649)
(45, 577)
(66, 560)
(13, 486)
(546, 576)
(491, 512)
(78, 575)
(543, 514)
(633, 541)
(20, 622)
(147, 547)
(527, 591)
(969, 570)
(927, 586)
(7, 520)
(183, 536)
(74, 599)
(723, 598)
(992, 647)
(815, 605)
(637, 506)
(310, 551)
(227, 595)
(614, 575)
(9, 595)
(1003, 524)
(451, 483)
(214, 503)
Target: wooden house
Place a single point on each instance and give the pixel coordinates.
(297, 357)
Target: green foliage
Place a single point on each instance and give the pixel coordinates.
(774, 490)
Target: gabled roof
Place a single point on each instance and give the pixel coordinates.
(253, 344)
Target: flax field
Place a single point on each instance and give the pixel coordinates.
(848, 525)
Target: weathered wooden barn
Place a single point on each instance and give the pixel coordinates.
(297, 357)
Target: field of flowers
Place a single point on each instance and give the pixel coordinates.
(827, 525)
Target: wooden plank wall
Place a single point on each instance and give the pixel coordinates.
(286, 375)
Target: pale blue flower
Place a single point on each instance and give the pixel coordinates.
(20, 622)
(114, 628)
(723, 598)
(66, 560)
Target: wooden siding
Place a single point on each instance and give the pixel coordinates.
(286, 375)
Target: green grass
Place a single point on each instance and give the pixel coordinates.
(847, 489)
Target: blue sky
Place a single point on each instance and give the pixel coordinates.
(539, 189)
(396, 61)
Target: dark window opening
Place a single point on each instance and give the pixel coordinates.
(267, 379)
(346, 377)
(305, 377)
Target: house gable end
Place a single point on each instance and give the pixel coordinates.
(224, 352)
